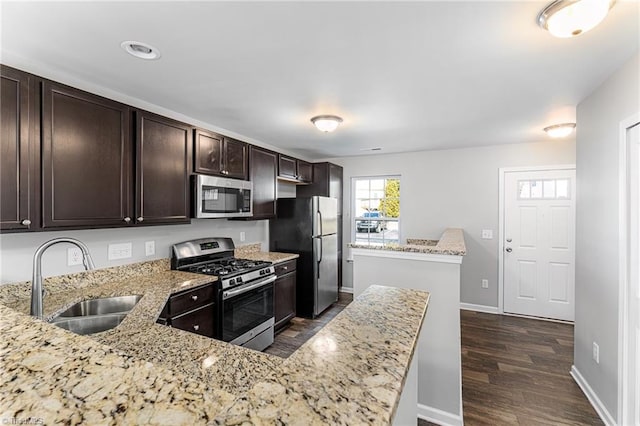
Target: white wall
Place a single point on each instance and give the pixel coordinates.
(16, 250)
(453, 188)
(597, 278)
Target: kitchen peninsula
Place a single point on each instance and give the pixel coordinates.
(433, 266)
(351, 372)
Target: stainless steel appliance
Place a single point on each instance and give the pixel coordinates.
(216, 197)
(244, 310)
(308, 226)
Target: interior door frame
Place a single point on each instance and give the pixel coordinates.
(624, 240)
(502, 171)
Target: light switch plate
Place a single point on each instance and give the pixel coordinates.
(487, 234)
(149, 248)
(242, 236)
(485, 283)
(120, 251)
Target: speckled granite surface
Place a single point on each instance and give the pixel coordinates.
(451, 242)
(351, 372)
(252, 252)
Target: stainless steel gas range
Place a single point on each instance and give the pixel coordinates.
(243, 295)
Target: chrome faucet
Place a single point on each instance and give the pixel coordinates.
(37, 292)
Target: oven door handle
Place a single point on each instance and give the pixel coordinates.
(247, 287)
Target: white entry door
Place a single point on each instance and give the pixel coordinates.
(539, 243)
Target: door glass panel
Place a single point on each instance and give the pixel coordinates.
(524, 189)
(549, 190)
(536, 189)
(562, 188)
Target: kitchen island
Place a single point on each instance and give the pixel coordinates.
(351, 372)
(433, 266)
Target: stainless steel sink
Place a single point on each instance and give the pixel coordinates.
(106, 305)
(95, 315)
(89, 324)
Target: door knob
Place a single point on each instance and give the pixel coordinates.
(26, 222)
(508, 249)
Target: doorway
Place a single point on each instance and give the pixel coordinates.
(629, 372)
(537, 242)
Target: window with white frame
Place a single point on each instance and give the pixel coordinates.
(376, 210)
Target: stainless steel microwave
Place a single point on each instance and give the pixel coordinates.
(217, 197)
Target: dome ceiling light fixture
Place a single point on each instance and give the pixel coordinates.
(326, 123)
(570, 18)
(560, 130)
(140, 50)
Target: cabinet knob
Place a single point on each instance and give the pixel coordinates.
(285, 267)
(140, 219)
(194, 297)
(26, 222)
(127, 219)
(196, 327)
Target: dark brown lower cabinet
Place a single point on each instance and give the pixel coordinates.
(285, 293)
(191, 310)
(199, 321)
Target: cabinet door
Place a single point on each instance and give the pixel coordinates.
(285, 299)
(208, 153)
(305, 171)
(86, 157)
(335, 184)
(236, 158)
(163, 148)
(201, 321)
(287, 167)
(17, 150)
(263, 169)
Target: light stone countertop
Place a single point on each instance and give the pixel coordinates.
(253, 252)
(450, 243)
(351, 372)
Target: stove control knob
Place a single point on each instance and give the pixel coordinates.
(232, 281)
(262, 272)
(239, 280)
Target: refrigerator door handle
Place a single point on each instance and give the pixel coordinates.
(320, 222)
(319, 255)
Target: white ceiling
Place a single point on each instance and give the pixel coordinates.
(405, 76)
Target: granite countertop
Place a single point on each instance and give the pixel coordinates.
(351, 372)
(450, 243)
(253, 252)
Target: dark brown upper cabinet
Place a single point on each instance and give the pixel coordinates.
(327, 182)
(86, 159)
(163, 167)
(294, 170)
(263, 170)
(19, 126)
(219, 155)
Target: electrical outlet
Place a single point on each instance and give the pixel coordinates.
(120, 251)
(149, 248)
(74, 256)
(487, 234)
(485, 283)
(242, 236)
(596, 353)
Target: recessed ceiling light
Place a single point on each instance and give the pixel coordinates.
(326, 123)
(560, 130)
(570, 18)
(140, 50)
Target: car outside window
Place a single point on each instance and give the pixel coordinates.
(376, 210)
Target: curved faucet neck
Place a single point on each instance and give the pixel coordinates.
(37, 290)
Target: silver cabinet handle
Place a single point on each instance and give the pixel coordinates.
(194, 297)
(508, 249)
(127, 219)
(26, 222)
(196, 327)
(140, 219)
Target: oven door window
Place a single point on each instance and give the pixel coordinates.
(246, 311)
(225, 200)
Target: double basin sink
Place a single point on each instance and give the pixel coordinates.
(95, 315)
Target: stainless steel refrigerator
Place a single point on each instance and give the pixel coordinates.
(308, 226)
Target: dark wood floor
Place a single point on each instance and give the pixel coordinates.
(515, 371)
(302, 329)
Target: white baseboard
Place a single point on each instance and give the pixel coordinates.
(346, 290)
(479, 308)
(439, 417)
(592, 397)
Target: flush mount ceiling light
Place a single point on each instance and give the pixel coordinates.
(326, 123)
(140, 50)
(560, 130)
(570, 18)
